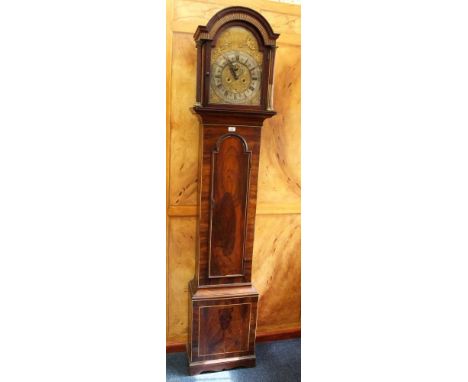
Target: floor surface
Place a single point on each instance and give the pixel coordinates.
(277, 361)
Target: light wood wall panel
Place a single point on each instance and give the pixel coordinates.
(181, 268)
(276, 271)
(280, 157)
(276, 267)
(184, 140)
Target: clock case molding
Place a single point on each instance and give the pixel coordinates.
(222, 299)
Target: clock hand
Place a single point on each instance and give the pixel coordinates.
(233, 71)
(231, 67)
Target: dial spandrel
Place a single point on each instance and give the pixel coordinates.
(236, 68)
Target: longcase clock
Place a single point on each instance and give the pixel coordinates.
(234, 94)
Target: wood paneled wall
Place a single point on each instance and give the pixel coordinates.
(276, 264)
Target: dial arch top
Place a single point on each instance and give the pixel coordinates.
(244, 14)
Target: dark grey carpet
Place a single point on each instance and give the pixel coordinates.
(277, 361)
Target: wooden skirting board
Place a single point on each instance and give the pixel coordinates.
(276, 335)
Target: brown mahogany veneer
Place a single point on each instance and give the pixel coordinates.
(223, 326)
(228, 209)
(228, 203)
(223, 302)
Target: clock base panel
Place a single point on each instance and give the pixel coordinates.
(222, 328)
(221, 364)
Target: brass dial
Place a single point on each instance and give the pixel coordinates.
(235, 77)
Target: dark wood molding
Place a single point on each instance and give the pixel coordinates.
(176, 347)
(280, 334)
(229, 14)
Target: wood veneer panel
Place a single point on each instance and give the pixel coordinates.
(229, 193)
(182, 244)
(185, 130)
(188, 14)
(283, 22)
(224, 329)
(279, 178)
(277, 271)
(212, 134)
(227, 319)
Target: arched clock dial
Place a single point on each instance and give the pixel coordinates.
(236, 77)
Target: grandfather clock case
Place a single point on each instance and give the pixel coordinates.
(234, 94)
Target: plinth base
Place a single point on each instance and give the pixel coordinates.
(221, 364)
(222, 325)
